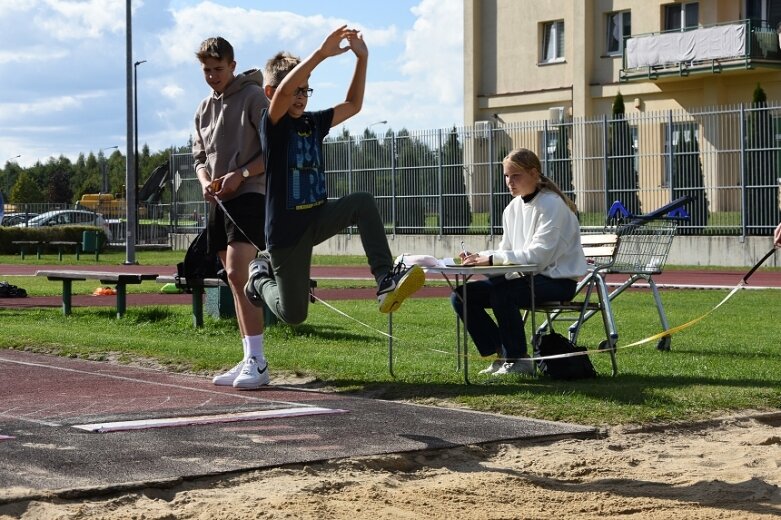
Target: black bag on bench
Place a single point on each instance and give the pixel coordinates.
(573, 367)
(11, 291)
(198, 264)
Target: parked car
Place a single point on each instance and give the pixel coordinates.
(12, 219)
(69, 217)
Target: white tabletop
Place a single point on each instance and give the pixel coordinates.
(488, 270)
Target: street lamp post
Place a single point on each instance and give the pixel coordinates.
(103, 172)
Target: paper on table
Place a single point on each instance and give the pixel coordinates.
(425, 260)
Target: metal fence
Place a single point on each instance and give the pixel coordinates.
(450, 181)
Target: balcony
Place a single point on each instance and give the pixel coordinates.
(708, 49)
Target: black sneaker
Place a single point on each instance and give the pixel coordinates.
(258, 268)
(398, 285)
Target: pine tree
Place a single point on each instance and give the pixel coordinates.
(621, 182)
(760, 181)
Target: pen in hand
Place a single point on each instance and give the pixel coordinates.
(464, 253)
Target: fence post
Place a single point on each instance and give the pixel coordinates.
(349, 229)
(605, 159)
(670, 153)
(544, 154)
(394, 156)
(491, 181)
(440, 211)
(742, 162)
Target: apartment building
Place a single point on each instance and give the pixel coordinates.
(528, 60)
(563, 62)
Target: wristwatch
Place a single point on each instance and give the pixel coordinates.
(245, 173)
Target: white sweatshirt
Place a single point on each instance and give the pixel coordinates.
(544, 232)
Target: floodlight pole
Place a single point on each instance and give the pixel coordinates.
(131, 180)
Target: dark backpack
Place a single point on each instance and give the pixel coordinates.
(11, 291)
(573, 367)
(198, 264)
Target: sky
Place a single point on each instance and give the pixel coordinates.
(63, 66)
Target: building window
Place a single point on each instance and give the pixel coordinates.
(678, 17)
(619, 25)
(553, 41)
(764, 14)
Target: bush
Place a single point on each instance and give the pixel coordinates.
(44, 234)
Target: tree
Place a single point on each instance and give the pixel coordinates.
(687, 178)
(761, 187)
(456, 214)
(59, 190)
(621, 182)
(560, 160)
(412, 157)
(25, 190)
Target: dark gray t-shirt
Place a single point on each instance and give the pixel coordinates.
(295, 173)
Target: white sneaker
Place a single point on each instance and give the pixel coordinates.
(521, 366)
(493, 367)
(228, 377)
(252, 376)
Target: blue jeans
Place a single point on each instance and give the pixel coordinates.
(505, 336)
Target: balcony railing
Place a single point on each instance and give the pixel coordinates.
(707, 49)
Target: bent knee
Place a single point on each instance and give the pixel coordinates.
(293, 316)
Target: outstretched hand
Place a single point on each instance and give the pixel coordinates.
(332, 45)
(357, 45)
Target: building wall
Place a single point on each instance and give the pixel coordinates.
(504, 76)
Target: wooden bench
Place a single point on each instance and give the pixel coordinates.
(64, 244)
(120, 280)
(197, 291)
(61, 245)
(23, 244)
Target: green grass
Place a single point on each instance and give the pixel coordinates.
(730, 361)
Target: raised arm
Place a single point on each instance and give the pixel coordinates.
(286, 91)
(354, 100)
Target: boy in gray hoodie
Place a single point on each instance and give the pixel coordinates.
(229, 164)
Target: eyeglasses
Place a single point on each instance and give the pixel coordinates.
(306, 92)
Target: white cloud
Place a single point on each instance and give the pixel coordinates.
(46, 105)
(434, 51)
(172, 91)
(67, 20)
(244, 28)
(36, 53)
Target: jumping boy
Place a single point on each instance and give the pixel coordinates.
(229, 164)
(298, 214)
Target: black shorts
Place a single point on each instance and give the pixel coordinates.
(247, 218)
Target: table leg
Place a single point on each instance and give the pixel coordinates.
(67, 286)
(390, 344)
(466, 332)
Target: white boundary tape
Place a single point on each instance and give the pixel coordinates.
(168, 422)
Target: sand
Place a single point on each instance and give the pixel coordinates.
(727, 468)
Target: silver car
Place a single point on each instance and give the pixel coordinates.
(69, 217)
